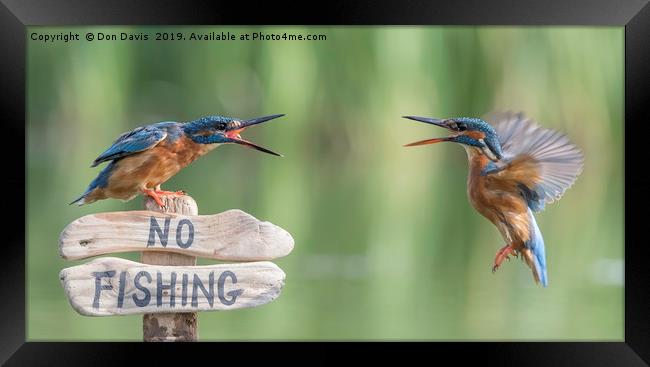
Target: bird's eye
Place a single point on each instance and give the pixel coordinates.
(461, 127)
(222, 126)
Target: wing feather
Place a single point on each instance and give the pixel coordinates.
(131, 142)
(553, 161)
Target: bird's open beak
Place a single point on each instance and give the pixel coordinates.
(437, 122)
(236, 127)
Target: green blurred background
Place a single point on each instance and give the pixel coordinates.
(387, 245)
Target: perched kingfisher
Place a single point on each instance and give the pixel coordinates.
(515, 168)
(144, 158)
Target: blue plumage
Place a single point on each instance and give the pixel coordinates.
(536, 245)
(468, 141)
(533, 197)
(491, 138)
(137, 140)
(205, 123)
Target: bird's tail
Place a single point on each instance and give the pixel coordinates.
(81, 200)
(90, 195)
(84, 198)
(534, 252)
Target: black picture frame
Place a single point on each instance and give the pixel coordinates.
(16, 15)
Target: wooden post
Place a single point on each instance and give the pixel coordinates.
(170, 327)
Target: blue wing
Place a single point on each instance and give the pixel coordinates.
(134, 141)
(556, 161)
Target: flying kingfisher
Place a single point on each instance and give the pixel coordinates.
(144, 158)
(515, 168)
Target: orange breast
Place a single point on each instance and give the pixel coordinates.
(153, 167)
(500, 202)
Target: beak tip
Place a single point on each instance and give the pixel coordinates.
(258, 120)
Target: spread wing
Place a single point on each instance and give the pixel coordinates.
(543, 161)
(134, 141)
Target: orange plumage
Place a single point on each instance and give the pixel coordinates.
(149, 169)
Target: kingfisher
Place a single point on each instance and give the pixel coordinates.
(516, 167)
(144, 158)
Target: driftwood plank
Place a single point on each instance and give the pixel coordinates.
(231, 235)
(114, 286)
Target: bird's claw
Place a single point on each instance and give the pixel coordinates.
(171, 193)
(154, 195)
(503, 254)
(157, 193)
(159, 202)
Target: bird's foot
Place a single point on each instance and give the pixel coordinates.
(154, 195)
(171, 193)
(503, 254)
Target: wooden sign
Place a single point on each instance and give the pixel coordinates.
(114, 286)
(231, 235)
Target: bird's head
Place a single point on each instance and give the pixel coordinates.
(222, 130)
(469, 131)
